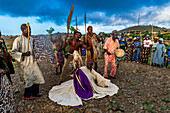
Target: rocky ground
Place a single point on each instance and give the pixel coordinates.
(142, 89)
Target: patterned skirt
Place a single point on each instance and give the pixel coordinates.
(7, 98)
(129, 53)
(145, 55)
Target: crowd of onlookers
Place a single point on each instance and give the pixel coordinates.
(144, 50)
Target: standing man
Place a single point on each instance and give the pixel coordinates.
(59, 53)
(92, 40)
(30, 71)
(74, 44)
(110, 46)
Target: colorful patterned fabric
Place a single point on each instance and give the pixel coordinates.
(43, 50)
(110, 46)
(122, 43)
(145, 55)
(129, 51)
(7, 98)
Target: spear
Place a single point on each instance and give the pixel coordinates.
(28, 34)
(85, 21)
(152, 47)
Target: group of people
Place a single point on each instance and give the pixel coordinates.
(140, 50)
(87, 83)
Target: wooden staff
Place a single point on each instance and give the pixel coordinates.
(28, 34)
(69, 18)
(152, 47)
(85, 39)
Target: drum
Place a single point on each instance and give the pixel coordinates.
(119, 53)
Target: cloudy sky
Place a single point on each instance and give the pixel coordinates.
(103, 15)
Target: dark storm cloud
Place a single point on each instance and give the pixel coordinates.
(58, 10)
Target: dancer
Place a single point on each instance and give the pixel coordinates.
(86, 84)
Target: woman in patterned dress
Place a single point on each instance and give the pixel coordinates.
(129, 50)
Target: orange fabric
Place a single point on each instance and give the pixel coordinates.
(110, 46)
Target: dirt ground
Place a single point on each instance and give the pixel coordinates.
(142, 89)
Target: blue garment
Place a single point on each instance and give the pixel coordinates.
(83, 52)
(169, 51)
(136, 54)
(122, 43)
(159, 59)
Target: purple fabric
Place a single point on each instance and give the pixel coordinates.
(85, 93)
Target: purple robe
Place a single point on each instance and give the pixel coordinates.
(87, 90)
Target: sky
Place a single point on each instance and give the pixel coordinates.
(103, 15)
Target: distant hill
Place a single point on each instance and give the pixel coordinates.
(144, 28)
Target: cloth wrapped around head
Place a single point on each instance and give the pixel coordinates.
(89, 60)
(138, 37)
(161, 39)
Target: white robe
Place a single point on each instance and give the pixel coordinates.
(64, 94)
(30, 71)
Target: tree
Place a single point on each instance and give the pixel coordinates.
(50, 32)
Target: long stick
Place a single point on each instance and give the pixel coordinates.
(28, 34)
(69, 18)
(152, 47)
(85, 39)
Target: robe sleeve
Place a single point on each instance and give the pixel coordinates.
(101, 81)
(16, 54)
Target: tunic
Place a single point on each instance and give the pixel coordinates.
(30, 71)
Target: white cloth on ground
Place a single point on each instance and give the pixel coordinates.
(64, 94)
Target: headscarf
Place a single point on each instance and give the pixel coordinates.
(89, 60)
(138, 37)
(161, 39)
